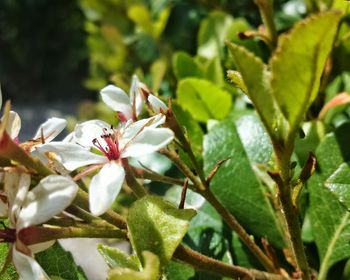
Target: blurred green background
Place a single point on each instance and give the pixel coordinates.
(67, 50)
(58, 49)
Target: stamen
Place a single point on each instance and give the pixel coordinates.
(111, 147)
(99, 146)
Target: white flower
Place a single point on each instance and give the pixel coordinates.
(28, 208)
(129, 108)
(132, 140)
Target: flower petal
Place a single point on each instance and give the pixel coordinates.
(50, 129)
(117, 100)
(133, 129)
(157, 104)
(72, 156)
(22, 192)
(135, 95)
(51, 196)
(27, 267)
(13, 125)
(148, 141)
(86, 132)
(105, 186)
(39, 247)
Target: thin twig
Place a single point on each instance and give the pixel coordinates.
(212, 266)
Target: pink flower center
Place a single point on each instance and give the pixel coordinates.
(110, 147)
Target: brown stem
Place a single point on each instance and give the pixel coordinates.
(130, 179)
(110, 216)
(144, 174)
(174, 157)
(212, 266)
(266, 12)
(289, 211)
(172, 123)
(33, 235)
(227, 216)
(237, 227)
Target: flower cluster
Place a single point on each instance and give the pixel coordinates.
(40, 177)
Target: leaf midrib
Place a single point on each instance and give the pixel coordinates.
(325, 262)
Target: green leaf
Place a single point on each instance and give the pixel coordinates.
(185, 66)
(150, 271)
(10, 273)
(333, 151)
(236, 185)
(241, 25)
(339, 184)
(314, 132)
(236, 78)
(158, 69)
(179, 271)
(59, 263)
(117, 258)
(298, 64)
(203, 99)
(256, 83)
(141, 16)
(213, 72)
(212, 33)
(346, 272)
(204, 235)
(242, 255)
(331, 221)
(157, 226)
(193, 131)
(254, 138)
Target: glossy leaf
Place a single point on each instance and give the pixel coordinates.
(333, 151)
(256, 81)
(236, 185)
(150, 271)
(298, 64)
(254, 138)
(203, 99)
(114, 258)
(157, 226)
(59, 263)
(329, 219)
(339, 184)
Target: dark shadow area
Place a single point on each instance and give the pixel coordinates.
(43, 52)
